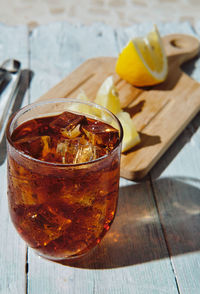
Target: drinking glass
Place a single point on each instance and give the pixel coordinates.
(62, 210)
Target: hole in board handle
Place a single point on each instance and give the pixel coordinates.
(177, 43)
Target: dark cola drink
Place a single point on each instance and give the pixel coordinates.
(63, 177)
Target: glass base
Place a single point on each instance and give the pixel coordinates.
(67, 258)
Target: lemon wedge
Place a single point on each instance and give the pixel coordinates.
(82, 96)
(84, 108)
(131, 136)
(143, 61)
(107, 96)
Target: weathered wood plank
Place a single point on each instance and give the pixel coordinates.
(13, 44)
(133, 257)
(57, 53)
(177, 193)
(125, 34)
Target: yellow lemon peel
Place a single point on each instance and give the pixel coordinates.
(143, 61)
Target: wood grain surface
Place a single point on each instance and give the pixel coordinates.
(160, 113)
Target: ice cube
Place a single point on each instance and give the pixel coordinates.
(66, 120)
(89, 152)
(68, 149)
(43, 224)
(46, 140)
(78, 150)
(62, 148)
(84, 153)
(30, 129)
(24, 194)
(72, 133)
(101, 134)
(30, 145)
(49, 151)
(99, 152)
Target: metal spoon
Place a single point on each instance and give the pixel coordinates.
(9, 66)
(12, 67)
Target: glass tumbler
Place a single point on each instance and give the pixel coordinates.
(62, 210)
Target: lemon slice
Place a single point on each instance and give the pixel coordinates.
(83, 108)
(131, 136)
(86, 109)
(143, 61)
(107, 96)
(82, 96)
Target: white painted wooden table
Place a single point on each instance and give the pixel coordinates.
(153, 245)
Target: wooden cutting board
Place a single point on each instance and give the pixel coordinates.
(160, 113)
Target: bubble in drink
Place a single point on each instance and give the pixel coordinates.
(63, 184)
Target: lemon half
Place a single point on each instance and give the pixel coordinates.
(143, 61)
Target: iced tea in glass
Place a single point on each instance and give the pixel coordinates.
(63, 175)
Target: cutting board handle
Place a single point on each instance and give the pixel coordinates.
(181, 47)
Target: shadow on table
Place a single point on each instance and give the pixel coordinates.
(136, 235)
(24, 84)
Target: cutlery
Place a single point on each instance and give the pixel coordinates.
(10, 72)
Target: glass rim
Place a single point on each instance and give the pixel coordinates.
(17, 114)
